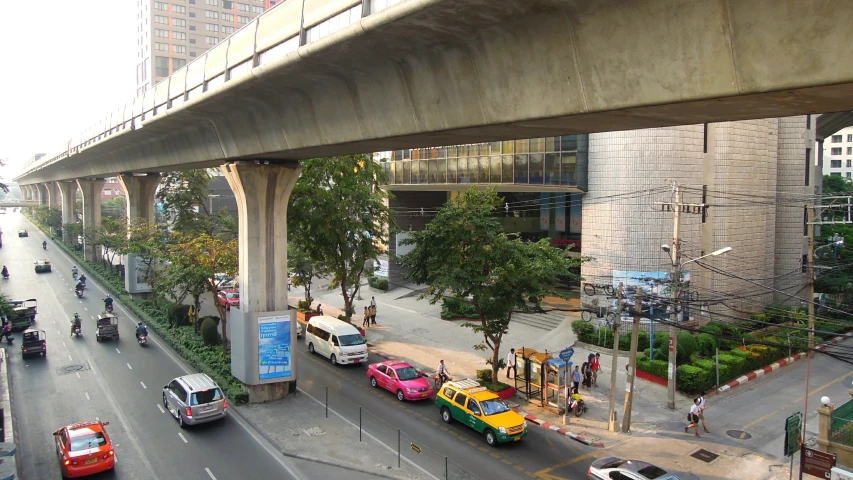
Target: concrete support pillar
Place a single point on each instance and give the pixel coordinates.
(68, 194)
(42, 193)
(262, 192)
(25, 192)
(91, 190)
(53, 195)
(139, 191)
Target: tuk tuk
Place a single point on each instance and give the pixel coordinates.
(43, 266)
(23, 313)
(23, 233)
(107, 326)
(34, 343)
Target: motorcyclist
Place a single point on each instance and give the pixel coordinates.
(5, 272)
(141, 330)
(442, 372)
(83, 279)
(44, 244)
(7, 330)
(108, 303)
(80, 287)
(74, 271)
(75, 323)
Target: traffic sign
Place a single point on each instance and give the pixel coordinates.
(566, 354)
(793, 433)
(817, 463)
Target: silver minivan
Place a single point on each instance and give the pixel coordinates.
(194, 399)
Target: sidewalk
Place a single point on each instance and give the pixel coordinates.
(412, 329)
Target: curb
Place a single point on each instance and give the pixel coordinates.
(561, 431)
(773, 366)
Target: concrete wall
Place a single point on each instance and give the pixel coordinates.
(410, 220)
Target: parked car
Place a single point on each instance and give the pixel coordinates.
(474, 406)
(194, 399)
(228, 298)
(401, 379)
(612, 467)
(84, 449)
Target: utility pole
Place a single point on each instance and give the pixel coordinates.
(810, 272)
(632, 362)
(675, 295)
(614, 365)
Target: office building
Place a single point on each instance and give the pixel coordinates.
(838, 153)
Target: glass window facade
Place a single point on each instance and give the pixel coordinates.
(551, 161)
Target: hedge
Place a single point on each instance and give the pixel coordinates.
(379, 283)
(183, 339)
(452, 307)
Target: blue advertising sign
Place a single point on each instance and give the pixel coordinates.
(566, 354)
(274, 348)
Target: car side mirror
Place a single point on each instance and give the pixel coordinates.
(105, 423)
(165, 387)
(56, 433)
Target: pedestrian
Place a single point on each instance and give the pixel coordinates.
(702, 413)
(693, 417)
(320, 309)
(373, 313)
(586, 371)
(366, 321)
(596, 366)
(510, 364)
(576, 379)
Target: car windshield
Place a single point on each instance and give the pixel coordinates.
(493, 407)
(652, 472)
(85, 442)
(233, 295)
(206, 396)
(351, 340)
(407, 373)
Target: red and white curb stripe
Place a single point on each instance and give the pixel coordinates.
(561, 431)
(773, 366)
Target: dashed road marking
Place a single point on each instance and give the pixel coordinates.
(128, 366)
(209, 473)
(117, 350)
(78, 374)
(69, 357)
(160, 407)
(87, 396)
(63, 344)
(183, 437)
(143, 385)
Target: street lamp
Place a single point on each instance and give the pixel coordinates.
(675, 295)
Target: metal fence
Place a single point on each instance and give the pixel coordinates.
(841, 428)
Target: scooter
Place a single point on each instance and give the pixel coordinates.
(76, 331)
(74, 276)
(142, 339)
(108, 307)
(44, 246)
(577, 405)
(79, 292)
(6, 276)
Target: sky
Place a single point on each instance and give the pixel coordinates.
(66, 64)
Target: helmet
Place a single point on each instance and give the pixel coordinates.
(140, 324)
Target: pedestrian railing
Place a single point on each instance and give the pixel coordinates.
(841, 428)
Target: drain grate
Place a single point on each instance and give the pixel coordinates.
(738, 434)
(704, 455)
(70, 369)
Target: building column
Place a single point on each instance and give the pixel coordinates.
(53, 200)
(41, 191)
(68, 194)
(91, 190)
(25, 192)
(262, 191)
(139, 192)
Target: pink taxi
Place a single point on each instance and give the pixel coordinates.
(400, 378)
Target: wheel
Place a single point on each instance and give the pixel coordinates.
(578, 411)
(97, 338)
(610, 318)
(491, 438)
(181, 421)
(311, 347)
(445, 415)
(586, 316)
(333, 359)
(43, 354)
(589, 289)
(400, 396)
(166, 404)
(609, 290)
(437, 383)
(373, 382)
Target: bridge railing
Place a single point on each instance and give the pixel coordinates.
(270, 37)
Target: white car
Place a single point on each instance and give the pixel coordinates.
(608, 468)
(298, 329)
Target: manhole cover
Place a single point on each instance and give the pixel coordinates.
(704, 455)
(70, 369)
(738, 434)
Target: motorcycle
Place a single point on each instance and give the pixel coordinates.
(74, 276)
(76, 331)
(79, 292)
(44, 245)
(6, 276)
(577, 405)
(142, 339)
(108, 307)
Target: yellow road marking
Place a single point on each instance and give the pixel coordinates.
(545, 473)
(506, 461)
(756, 422)
(814, 392)
(519, 468)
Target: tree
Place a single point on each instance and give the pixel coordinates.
(838, 279)
(338, 216)
(147, 241)
(464, 253)
(114, 208)
(300, 265)
(184, 197)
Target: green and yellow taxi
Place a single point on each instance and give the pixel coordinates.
(473, 405)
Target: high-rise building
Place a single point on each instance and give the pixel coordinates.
(838, 153)
(172, 33)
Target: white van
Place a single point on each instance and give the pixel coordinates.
(336, 340)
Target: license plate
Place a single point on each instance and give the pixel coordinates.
(357, 360)
(208, 407)
(91, 461)
(516, 439)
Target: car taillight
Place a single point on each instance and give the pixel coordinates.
(67, 462)
(111, 453)
(189, 412)
(225, 404)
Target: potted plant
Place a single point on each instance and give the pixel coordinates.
(304, 311)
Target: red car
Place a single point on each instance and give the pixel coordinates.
(230, 297)
(84, 449)
(401, 378)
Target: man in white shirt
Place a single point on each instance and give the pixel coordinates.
(693, 417)
(702, 413)
(510, 364)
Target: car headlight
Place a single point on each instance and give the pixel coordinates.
(525, 424)
(502, 430)
(411, 390)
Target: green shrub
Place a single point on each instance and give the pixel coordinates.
(655, 367)
(714, 330)
(686, 346)
(379, 283)
(693, 380)
(484, 375)
(454, 307)
(215, 318)
(582, 330)
(209, 332)
(304, 306)
(179, 314)
(707, 344)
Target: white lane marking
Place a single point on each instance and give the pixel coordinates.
(85, 308)
(63, 344)
(160, 407)
(183, 437)
(58, 332)
(87, 396)
(117, 350)
(69, 357)
(209, 473)
(78, 374)
(143, 385)
(128, 366)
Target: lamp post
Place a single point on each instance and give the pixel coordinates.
(675, 295)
